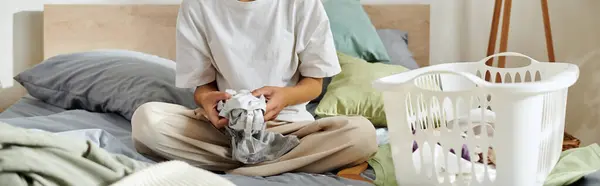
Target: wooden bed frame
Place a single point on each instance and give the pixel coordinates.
(151, 28)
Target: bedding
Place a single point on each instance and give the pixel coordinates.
(40, 158)
(575, 164)
(396, 45)
(107, 130)
(350, 92)
(112, 132)
(353, 32)
(115, 81)
(592, 179)
(29, 106)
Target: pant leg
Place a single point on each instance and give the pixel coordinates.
(174, 132)
(325, 145)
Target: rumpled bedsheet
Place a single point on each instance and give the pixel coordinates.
(38, 158)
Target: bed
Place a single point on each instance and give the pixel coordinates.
(149, 29)
(108, 132)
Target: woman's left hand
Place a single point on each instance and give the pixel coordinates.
(276, 100)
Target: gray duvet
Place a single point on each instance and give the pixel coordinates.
(112, 132)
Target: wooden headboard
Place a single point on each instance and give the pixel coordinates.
(151, 28)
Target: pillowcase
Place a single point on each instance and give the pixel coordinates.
(396, 44)
(352, 30)
(311, 107)
(326, 82)
(351, 93)
(114, 81)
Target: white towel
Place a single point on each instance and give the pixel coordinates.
(173, 173)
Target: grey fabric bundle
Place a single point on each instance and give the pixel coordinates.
(250, 142)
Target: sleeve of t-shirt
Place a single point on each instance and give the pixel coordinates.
(315, 45)
(193, 62)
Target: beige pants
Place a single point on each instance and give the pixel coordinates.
(174, 132)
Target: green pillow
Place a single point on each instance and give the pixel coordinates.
(353, 32)
(351, 94)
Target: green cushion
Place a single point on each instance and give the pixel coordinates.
(353, 32)
(351, 94)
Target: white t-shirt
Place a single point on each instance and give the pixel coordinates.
(248, 45)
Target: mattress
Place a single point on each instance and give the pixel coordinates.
(113, 133)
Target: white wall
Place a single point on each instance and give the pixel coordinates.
(5, 66)
(578, 41)
(576, 33)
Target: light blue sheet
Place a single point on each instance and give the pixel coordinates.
(28, 106)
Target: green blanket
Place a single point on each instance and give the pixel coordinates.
(574, 164)
(383, 166)
(37, 158)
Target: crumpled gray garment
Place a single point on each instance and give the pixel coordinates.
(250, 142)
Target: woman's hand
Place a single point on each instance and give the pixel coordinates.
(276, 100)
(280, 97)
(208, 102)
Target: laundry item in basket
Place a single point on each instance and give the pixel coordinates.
(250, 142)
(478, 120)
(385, 174)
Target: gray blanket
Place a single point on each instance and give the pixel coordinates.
(109, 131)
(39, 158)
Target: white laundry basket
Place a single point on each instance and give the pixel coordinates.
(446, 106)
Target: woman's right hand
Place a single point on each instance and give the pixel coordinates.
(208, 101)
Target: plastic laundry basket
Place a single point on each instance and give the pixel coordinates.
(447, 110)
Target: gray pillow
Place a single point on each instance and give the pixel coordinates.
(112, 81)
(396, 44)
